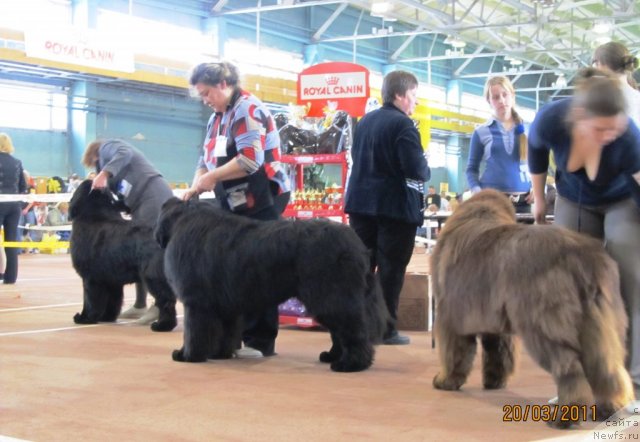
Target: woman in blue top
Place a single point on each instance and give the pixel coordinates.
(597, 153)
(502, 144)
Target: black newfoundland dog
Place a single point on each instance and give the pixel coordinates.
(108, 252)
(222, 266)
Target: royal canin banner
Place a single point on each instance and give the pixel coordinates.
(84, 47)
(347, 84)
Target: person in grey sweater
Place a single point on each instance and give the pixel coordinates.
(124, 169)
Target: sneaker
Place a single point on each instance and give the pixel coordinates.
(553, 401)
(133, 313)
(150, 315)
(248, 353)
(396, 338)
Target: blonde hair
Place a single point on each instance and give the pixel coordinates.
(504, 82)
(6, 145)
(91, 153)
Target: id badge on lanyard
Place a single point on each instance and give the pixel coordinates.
(220, 149)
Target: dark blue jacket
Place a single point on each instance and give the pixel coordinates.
(389, 167)
(618, 175)
(11, 175)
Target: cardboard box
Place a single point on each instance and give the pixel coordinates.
(414, 307)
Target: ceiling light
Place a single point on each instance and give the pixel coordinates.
(380, 8)
(599, 41)
(602, 26)
(515, 62)
(544, 3)
(455, 42)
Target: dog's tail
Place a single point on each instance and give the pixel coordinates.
(603, 340)
(377, 315)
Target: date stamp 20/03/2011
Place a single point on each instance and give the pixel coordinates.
(549, 413)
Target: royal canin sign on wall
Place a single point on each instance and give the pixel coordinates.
(84, 47)
(347, 84)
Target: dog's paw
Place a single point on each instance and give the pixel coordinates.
(179, 356)
(440, 383)
(163, 326)
(327, 357)
(220, 355)
(494, 384)
(562, 424)
(82, 319)
(605, 411)
(343, 366)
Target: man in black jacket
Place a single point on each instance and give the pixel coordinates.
(385, 194)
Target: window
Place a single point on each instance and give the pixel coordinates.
(32, 108)
(527, 114)
(34, 13)
(158, 39)
(475, 105)
(433, 94)
(437, 154)
(268, 61)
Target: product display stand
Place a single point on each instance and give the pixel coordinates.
(327, 204)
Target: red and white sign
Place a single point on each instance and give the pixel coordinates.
(347, 84)
(83, 47)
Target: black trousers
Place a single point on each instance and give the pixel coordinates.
(9, 217)
(391, 244)
(261, 329)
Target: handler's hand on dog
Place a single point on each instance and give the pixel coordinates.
(206, 182)
(190, 194)
(100, 181)
(539, 210)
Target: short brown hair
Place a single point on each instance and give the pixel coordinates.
(397, 83)
(213, 74)
(91, 153)
(598, 93)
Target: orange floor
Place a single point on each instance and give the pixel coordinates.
(60, 382)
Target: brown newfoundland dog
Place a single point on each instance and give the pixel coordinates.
(558, 290)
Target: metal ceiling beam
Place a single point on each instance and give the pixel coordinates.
(328, 22)
(374, 36)
(463, 66)
(268, 8)
(468, 10)
(405, 45)
(451, 57)
(520, 6)
(219, 5)
(520, 73)
(443, 17)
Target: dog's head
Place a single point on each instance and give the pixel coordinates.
(488, 205)
(95, 203)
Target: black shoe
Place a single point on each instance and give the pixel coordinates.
(395, 338)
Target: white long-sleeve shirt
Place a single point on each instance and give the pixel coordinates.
(632, 100)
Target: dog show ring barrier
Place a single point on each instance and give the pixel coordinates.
(53, 198)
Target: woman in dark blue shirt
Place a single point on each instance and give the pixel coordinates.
(597, 152)
(502, 144)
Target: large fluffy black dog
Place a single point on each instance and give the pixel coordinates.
(108, 252)
(222, 266)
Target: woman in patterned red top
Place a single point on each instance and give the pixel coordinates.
(241, 164)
